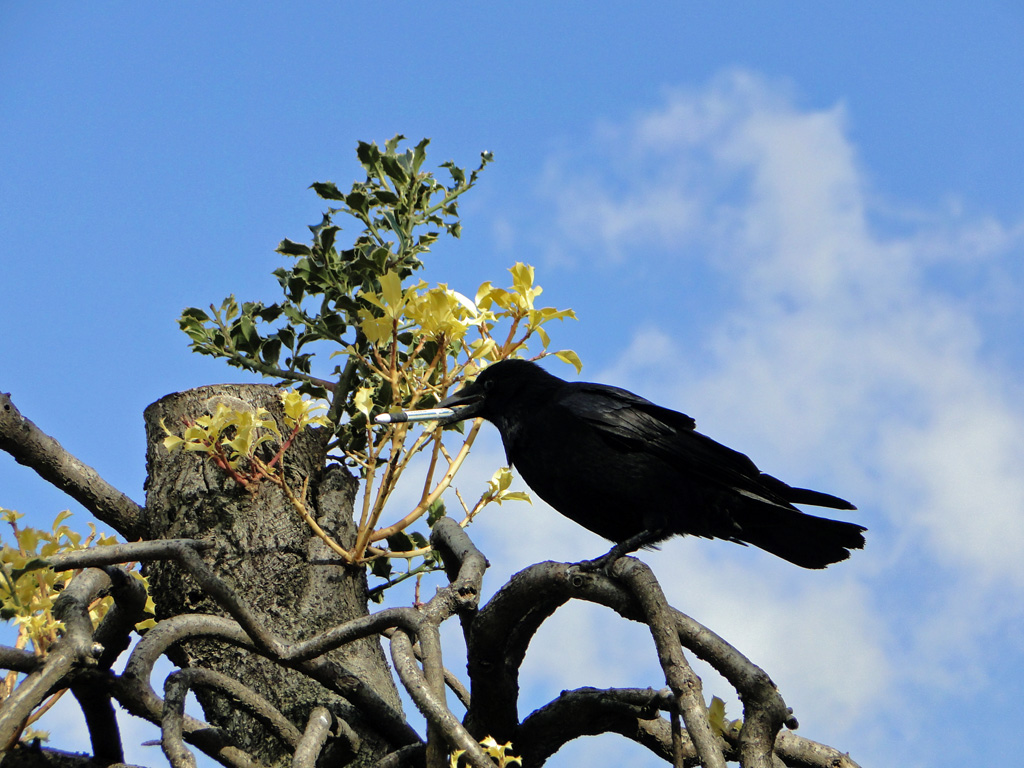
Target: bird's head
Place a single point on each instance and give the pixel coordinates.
(498, 388)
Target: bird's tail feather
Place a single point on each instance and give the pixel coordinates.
(803, 495)
(802, 539)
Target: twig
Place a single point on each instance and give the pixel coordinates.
(434, 495)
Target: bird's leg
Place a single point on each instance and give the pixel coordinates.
(623, 548)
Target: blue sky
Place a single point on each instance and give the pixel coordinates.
(801, 224)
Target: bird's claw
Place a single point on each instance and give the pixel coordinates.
(600, 564)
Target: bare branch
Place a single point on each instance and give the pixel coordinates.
(113, 635)
(804, 753)
(93, 696)
(454, 684)
(111, 554)
(138, 696)
(502, 631)
(18, 659)
(76, 646)
(32, 447)
(134, 692)
(680, 676)
(178, 685)
(318, 728)
(434, 710)
(33, 756)
(630, 712)
(749, 680)
(465, 566)
(497, 641)
(411, 754)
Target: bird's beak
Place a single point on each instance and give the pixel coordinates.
(464, 404)
(467, 403)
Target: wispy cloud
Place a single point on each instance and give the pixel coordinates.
(853, 354)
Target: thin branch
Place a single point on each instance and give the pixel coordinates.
(32, 447)
(299, 506)
(680, 676)
(138, 696)
(18, 659)
(93, 696)
(112, 554)
(179, 683)
(318, 728)
(630, 712)
(454, 684)
(435, 711)
(76, 646)
(409, 755)
(442, 485)
(798, 752)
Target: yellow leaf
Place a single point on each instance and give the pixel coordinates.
(522, 278)
(376, 329)
(483, 295)
(515, 496)
(240, 445)
(716, 714)
(28, 539)
(570, 357)
(364, 401)
(10, 515)
(391, 292)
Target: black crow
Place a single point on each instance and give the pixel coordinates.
(636, 473)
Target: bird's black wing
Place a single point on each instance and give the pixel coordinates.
(620, 415)
(630, 423)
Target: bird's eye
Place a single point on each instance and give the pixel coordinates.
(488, 385)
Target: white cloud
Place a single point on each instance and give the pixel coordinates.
(842, 349)
(844, 358)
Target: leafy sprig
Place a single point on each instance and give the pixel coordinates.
(402, 343)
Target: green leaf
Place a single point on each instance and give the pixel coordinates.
(419, 155)
(458, 175)
(327, 190)
(195, 314)
(381, 567)
(369, 156)
(325, 237)
(400, 542)
(271, 351)
(436, 512)
(357, 202)
(394, 169)
(290, 248)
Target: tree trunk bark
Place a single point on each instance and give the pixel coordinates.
(275, 564)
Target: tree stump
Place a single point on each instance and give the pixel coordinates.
(262, 548)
